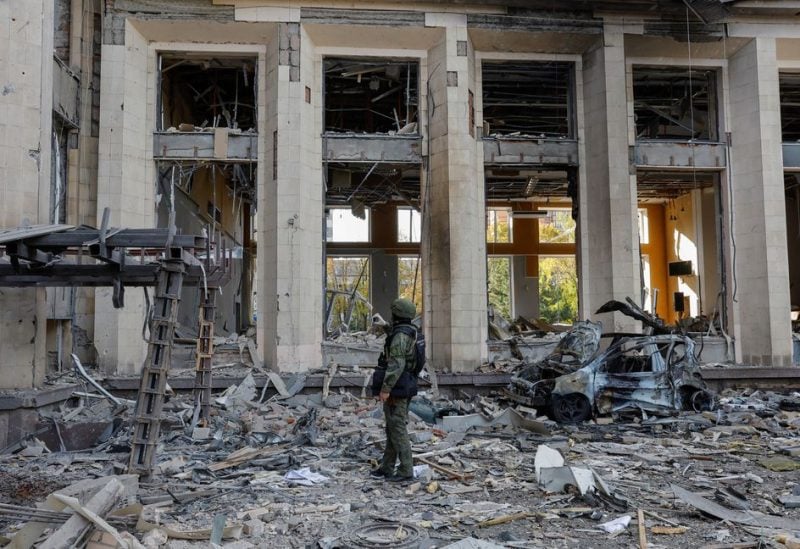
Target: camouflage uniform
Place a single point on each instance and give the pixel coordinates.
(395, 410)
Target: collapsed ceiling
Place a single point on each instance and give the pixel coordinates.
(674, 103)
(208, 92)
(372, 96)
(519, 184)
(359, 184)
(667, 184)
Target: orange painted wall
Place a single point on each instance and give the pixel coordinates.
(657, 250)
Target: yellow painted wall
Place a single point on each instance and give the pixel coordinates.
(656, 249)
(203, 183)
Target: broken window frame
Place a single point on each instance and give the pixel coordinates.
(793, 113)
(416, 282)
(493, 224)
(355, 300)
(553, 222)
(508, 282)
(694, 76)
(62, 134)
(330, 226)
(413, 219)
(397, 124)
(561, 125)
(643, 220)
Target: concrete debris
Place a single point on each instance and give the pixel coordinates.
(287, 467)
(617, 525)
(304, 477)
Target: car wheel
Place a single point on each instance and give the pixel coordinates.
(702, 401)
(572, 408)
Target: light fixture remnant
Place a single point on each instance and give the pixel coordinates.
(530, 214)
(531, 186)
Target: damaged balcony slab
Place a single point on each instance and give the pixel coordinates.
(510, 151)
(679, 154)
(36, 398)
(218, 145)
(20, 409)
(402, 149)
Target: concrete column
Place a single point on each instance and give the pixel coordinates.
(126, 185)
(608, 237)
(525, 289)
(454, 248)
(384, 282)
(26, 112)
(290, 209)
(761, 312)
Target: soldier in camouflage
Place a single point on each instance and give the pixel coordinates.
(400, 356)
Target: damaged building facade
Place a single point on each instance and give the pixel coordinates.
(349, 152)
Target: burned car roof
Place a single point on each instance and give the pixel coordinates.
(656, 373)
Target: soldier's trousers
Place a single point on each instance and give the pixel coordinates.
(395, 411)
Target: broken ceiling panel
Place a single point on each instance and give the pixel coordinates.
(527, 183)
(672, 184)
(790, 105)
(675, 103)
(370, 184)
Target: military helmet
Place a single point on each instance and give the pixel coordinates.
(403, 309)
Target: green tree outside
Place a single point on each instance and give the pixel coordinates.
(558, 276)
(343, 275)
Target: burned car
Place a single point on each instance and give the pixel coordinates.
(655, 373)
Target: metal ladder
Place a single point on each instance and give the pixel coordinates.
(205, 352)
(150, 400)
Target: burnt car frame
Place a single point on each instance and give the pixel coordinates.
(654, 373)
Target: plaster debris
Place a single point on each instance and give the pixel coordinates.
(292, 470)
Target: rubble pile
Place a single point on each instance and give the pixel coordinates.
(291, 470)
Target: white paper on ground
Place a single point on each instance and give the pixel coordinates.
(304, 477)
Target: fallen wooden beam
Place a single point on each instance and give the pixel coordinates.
(642, 530)
(504, 519)
(74, 530)
(442, 469)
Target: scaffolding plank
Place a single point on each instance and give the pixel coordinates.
(22, 233)
(150, 399)
(122, 238)
(66, 274)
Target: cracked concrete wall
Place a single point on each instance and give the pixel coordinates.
(455, 248)
(126, 186)
(26, 70)
(763, 327)
(608, 238)
(290, 209)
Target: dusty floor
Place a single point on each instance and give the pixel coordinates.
(740, 457)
